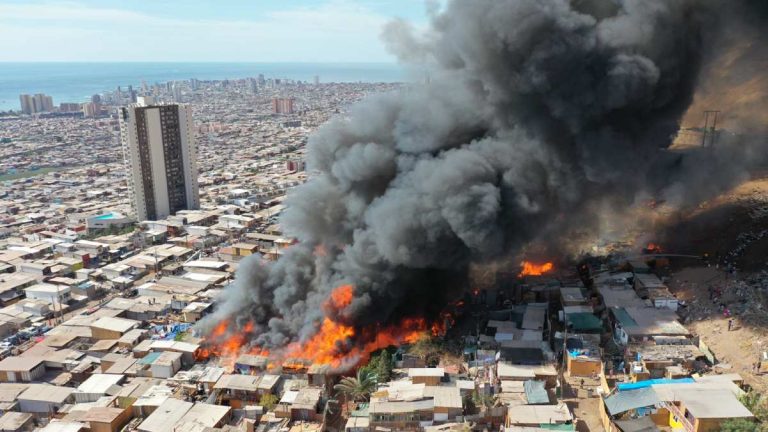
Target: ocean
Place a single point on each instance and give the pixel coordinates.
(76, 82)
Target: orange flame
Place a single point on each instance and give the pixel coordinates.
(653, 248)
(220, 329)
(531, 269)
(335, 343)
(228, 347)
(341, 297)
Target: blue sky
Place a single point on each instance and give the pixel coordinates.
(196, 30)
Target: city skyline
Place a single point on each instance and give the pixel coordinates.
(306, 30)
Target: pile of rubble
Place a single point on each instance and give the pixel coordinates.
(744, 298)
(744, 240)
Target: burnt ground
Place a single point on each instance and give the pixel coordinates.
(727, 228)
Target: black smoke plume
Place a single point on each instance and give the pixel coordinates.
(534, 114)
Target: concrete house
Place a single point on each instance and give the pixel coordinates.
(21, 369)
(112, 328)
(203, 415)
(97, 386)
(16, 422)
(44, 399)
(107, 419)
(165, 417)
(428, 376)
(166, 365)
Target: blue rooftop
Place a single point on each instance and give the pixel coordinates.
(106, 216)
(650, 382)
(149, 358)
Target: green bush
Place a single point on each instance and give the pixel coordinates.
(268, 401)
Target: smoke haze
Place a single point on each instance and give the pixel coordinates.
(535, 114)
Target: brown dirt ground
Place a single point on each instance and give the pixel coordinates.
(738, 348)
(714, 228)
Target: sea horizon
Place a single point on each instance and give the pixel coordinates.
(77, 81)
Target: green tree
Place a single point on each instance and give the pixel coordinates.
(739, 425)
(427, 348)
(483, 400)
(468, 403)
(756, 403)
(268, 401)
(372, 366)
(384, 366)
(359, 387)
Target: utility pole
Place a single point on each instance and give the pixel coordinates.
(709, 135)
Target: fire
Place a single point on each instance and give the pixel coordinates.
(341, 297)
(531, 269)
(653, 248)
(325, 346)
(220, 329)
(338, 345)
(228, 347)
(335, 344)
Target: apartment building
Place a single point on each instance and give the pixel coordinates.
(161, 159)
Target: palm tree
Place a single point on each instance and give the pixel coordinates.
(358, 388)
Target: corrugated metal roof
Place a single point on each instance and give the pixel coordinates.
(704, 401)
(206, 414)
(539, 414)
(628, 400)
(533, 318)
(46, 393)
(584, 321)
(624, 318)
(401, 407)
(445, 397)
(165, 416)
(642, 424)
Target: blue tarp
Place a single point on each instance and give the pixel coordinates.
(578, 352)
(169, 332)
(618, 403)
(535, 392)
(650, 382)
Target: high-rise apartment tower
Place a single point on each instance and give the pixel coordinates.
(161, 158)
(282, 105)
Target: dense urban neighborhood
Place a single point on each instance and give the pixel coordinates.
(99, 306)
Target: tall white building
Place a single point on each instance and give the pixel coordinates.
(176, 92)
(43, 103)
(27, 104)
(36, 104)
(161, 157)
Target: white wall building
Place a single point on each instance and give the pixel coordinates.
(44, 399)
(97, 386)
(53, 294)
(161, 157)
